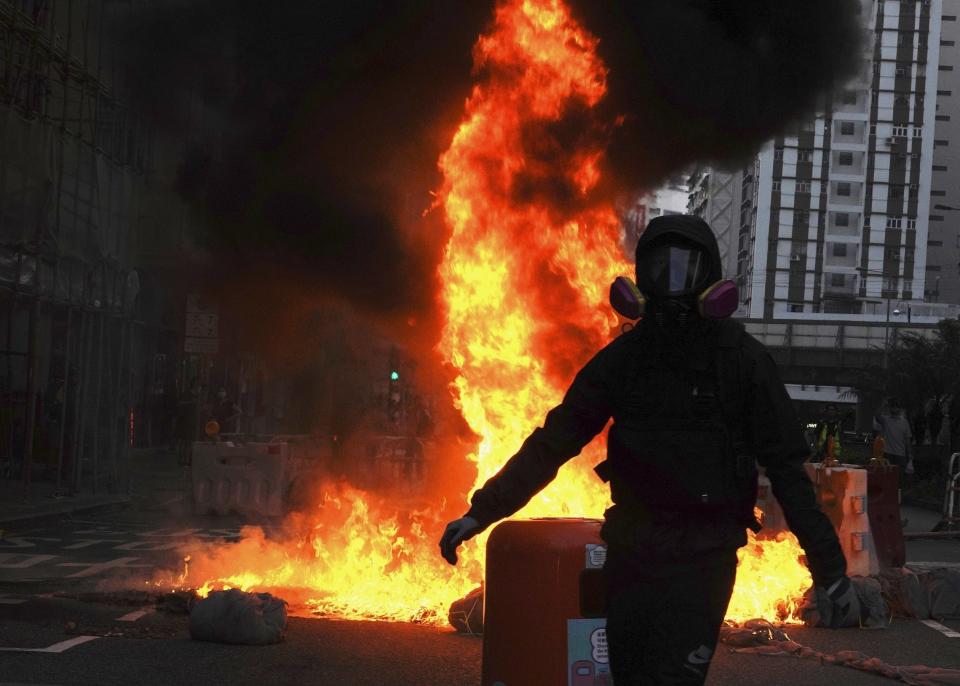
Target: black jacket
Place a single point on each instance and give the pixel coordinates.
(767, 424)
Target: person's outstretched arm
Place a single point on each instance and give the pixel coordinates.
(781, 451)
(568, 428)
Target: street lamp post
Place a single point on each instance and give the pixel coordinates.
(886, 327)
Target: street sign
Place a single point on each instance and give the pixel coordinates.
(208, 346)
(202, 325)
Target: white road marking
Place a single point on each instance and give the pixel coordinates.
(60, 647)
(22, 542)
(28, 561)
(945, 630)
(931, 565)
(102, 531)
(146, 546)
(4, 600)
(97, 567)
(135, 615)
(86, 543)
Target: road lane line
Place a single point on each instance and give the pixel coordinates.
(96, 568)
(135, 615)
(60, 647)
(87, 542)
(28, 561)
(945, 630)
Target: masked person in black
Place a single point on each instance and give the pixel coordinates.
(696, 402)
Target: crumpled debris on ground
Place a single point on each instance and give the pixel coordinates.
(929, 594)
(760, 637)
(177, 602)
(239, 618)
(466, 614)
(874, 613)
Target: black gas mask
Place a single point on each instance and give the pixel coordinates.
(673, 286)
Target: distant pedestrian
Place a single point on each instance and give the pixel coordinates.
(895, 429)
(188, 421)
(828, 428)
(226, 412)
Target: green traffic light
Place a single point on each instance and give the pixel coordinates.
(394, 376)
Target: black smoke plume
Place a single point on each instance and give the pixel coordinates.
(713, 79)
(314, 127)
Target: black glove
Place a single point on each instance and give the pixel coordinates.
(457, 531)
(834, 607)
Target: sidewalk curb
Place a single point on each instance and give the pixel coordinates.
(64, 511)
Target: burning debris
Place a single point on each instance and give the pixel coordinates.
(532, 242)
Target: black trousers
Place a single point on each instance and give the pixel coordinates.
(663, 618)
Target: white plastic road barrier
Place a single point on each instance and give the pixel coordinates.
(247, 479)
(842, 494)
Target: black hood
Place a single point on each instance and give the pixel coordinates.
(690, 229)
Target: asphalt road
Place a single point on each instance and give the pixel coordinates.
(136, 644)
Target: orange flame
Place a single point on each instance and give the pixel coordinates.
(524, 291)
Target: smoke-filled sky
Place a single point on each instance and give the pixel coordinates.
(323, 121)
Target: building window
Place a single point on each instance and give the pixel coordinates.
(893, 222)
(803, 186)
(845, 159)
(917, 131)
(804, 155)
(776, 186)
(947, 43)
(899, 130)
(837, 280)
(941, 143)
(866, 221)
(945, 67)
(911, 223)
(939, 167)
(843, 188)
(893, 254)
(946, 93)
(794, 307)
(935, 244)
(908, 254)
(908, 284)
(839, 249)
(801, 217)
(847, 128)
(873, 129)
(896, 191)
(841, 219)
(949, 17)
(778, 153)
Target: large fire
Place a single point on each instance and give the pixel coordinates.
(524, 292)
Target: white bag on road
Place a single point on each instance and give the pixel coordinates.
(240, 618)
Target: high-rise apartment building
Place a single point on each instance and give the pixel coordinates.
(943, 240)
(716, 196)
(835, 218)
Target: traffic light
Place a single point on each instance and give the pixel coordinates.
(394, 397)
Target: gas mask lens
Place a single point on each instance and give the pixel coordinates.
(672, 270)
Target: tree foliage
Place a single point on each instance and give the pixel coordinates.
(923, 372)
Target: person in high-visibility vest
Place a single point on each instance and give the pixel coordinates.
(828, 427)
